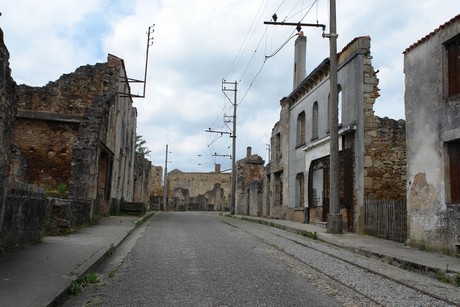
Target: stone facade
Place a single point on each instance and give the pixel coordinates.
(8, 108)
(372, 150)
(79, 132)
(142, 169)
(432, 106)
(249, 185)
(22, 206)
(156, 181)
(156, 187)
(385, 159)
(202, 190)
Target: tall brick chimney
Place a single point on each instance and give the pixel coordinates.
(300, 59)
(217, 168)
(248, 151)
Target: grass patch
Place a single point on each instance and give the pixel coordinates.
(77, 286)
(442, 277)
(144, 219)
(111, 250)
(113, 272)
(405, 266)
(308, 234)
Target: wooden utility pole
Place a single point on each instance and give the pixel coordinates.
(334, 219)
(165, 188)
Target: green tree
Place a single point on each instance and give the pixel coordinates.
(141, 148)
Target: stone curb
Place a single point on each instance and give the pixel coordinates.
(94, 261)
(393, 260)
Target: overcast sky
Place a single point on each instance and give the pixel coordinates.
(197, 44)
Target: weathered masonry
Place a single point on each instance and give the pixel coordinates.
(250, 184)
(372, 149)
(22, 206)
(198, 191)
(76, 138)
(432, 103)
(156, 187)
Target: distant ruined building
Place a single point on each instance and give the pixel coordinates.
(198, 191)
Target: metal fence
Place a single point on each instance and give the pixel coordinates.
(386, 219)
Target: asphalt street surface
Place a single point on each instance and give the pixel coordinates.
(199, 259)
(205, 259)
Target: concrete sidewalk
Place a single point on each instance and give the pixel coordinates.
(372, 246)
(40, 275)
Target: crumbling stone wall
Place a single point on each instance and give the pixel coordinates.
(181, 200)
(385, 159)
(49, 118)
(200, 184)
(249, 185)
(23, 215)
(46, 148)
(156, 187)
(8, 110)
(22, 207)
(80, 131)
(142, 169)
(156, 181)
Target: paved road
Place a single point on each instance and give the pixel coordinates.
(197, 259)
(203, 259)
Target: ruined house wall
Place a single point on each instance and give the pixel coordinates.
(22, 207)
(277, 181)
(156, 187)
(8, 109)
(156, 181)
(48, 122)
(22, 216)
(142, 181)
(121, 135)
(432, 123)
(85, 157)
(199, 184)
(249, 198)
(47, 150)
(385, 160)
(80, 130)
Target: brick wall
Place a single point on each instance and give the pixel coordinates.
(47, 148)
(49, 118)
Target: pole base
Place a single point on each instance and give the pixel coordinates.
(334, 223)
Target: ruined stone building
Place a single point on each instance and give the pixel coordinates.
(432, 106)
(198, 191)
(372, 149)
(8, 110)
(156, 187)
(22, 206)
(250, 185)
(76, 136)
(142, 173)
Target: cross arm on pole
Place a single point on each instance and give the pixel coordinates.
(298, 24)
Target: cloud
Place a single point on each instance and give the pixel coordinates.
(196, 44)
